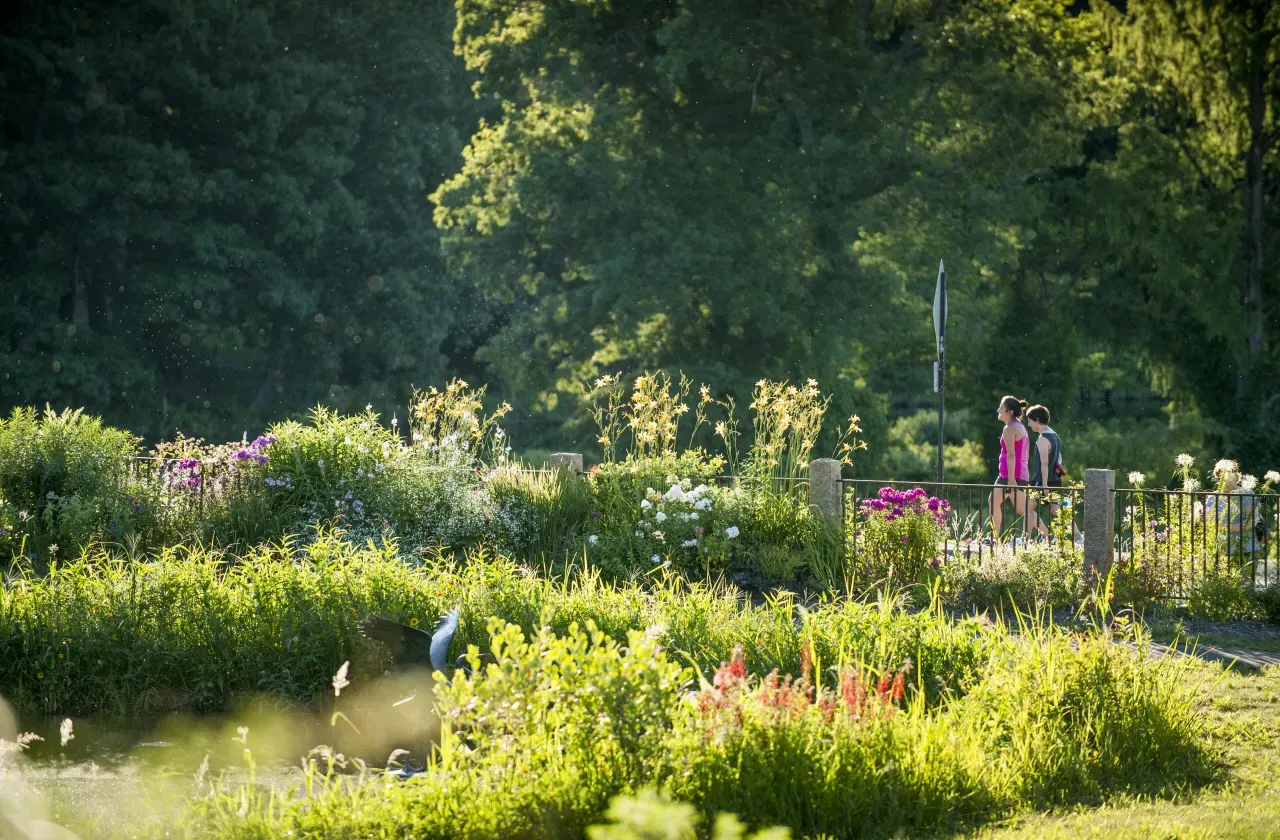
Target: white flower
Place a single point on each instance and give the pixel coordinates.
(1272, 477)
(684, 517)
(689, 543)
(646, 505)
(651, 492)
(65, 731)
(340, 680)
(1248, 482)
(1136, 479)
(1191, 485)
(731, 531)
(368, 407)
(703, 504)
(675, 493)
(593, 538)
(1226, 466)
(394, 421)
(656, 558)
(699, 490)
(693, 515)
(639, 533)
(660, 516)
(1184, 460)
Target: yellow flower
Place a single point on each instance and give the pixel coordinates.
(413, 622)
(59, 656)
(39, 676)
(43, 639)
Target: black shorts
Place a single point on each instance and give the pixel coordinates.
(1015, 482)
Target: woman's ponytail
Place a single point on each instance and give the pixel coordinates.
(1013, 405)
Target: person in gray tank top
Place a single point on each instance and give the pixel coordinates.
(1046, 459)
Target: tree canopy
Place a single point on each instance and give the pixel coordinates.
(213, 215)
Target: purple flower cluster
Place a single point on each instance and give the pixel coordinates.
(184, 475)
(255, 451)
(894, 504)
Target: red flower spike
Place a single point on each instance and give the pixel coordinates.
(899, 686)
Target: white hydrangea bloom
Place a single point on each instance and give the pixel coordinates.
(660, 516)
(731, 532)
(675, 493)
(646, 505)
(703, 504)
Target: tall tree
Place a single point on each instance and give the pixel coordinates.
(708, 185)
(1205, 100)
(216, 214)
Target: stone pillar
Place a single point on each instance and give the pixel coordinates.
(825, 491)
(571, 461)
(1099, 521)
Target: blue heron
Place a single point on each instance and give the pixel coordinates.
(411, 647)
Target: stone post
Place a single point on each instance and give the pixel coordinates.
(571, 461)
(825, 491)
(1099, 522)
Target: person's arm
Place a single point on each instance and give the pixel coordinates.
(1043, 448)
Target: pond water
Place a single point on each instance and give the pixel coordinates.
(114, 773)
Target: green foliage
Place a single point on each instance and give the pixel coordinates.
(651, 816)
(186, 629)
(1219, 597)
(62, 481)
(240, 236)
(1268, 603)
(895, 536)
(912, 450)
(544, 739)
(1026, 577)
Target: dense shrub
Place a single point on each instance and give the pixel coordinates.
(897, 534)
(537, 743)
(63, 481)
(1047, 574)
(186, 629)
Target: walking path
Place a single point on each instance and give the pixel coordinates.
(1247, 659)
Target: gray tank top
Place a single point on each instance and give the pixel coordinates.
(1055, 457)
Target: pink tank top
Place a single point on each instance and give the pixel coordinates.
(1021, 473)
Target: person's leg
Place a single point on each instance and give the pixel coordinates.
(1029, 518)
(997, 512)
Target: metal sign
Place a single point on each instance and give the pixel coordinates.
(940, 308)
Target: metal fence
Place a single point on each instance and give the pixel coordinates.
(1026, 515)
(1178, 538)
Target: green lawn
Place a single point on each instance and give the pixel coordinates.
(1246, 804)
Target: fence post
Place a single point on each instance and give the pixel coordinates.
(571, 461)
(824, 489)
(1099, 521)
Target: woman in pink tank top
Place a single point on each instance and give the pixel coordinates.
(1015, 471)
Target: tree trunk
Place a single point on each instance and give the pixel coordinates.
(1254, 221)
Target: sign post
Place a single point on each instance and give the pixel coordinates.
(939, 367)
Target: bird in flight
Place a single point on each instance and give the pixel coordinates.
(411, 647)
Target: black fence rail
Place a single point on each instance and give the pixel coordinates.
(1027, 516)
(1177, 539)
